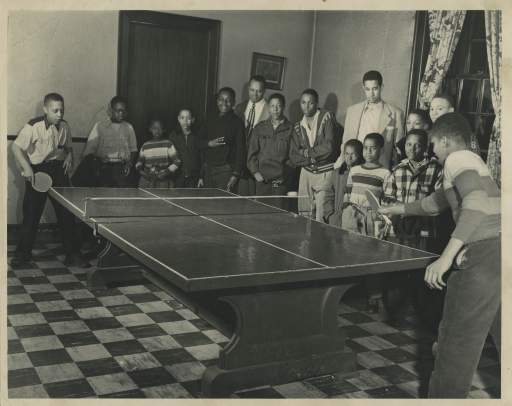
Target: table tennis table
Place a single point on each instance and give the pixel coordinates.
(268, 278)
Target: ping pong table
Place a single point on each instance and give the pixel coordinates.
(269, 279)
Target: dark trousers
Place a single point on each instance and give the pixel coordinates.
(247, 186)
(183, 181)
(217, 176)
(112, 175)
(471, 311)
(267, 189)
(33, 206)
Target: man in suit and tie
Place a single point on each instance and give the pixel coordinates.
(374, 115)
(252, 111)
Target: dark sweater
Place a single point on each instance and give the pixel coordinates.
(188, 151)
(233, 152)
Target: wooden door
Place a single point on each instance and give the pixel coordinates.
(166, 62)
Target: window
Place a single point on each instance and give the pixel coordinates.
(468, 79)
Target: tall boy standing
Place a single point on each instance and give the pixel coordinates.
(473, 292)
(375, 115)
(313, 149)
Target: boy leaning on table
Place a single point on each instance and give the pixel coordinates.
(473, 291)
(44, 145)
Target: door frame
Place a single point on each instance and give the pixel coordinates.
(128, 18)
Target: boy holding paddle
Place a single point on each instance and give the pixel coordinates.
(44, 145)
(473, 291)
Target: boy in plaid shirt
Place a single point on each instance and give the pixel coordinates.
(412, 179)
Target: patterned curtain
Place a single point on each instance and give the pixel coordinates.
(494, 47)
(445, 27)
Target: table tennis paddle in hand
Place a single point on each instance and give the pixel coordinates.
(42, 182)
(375, 205)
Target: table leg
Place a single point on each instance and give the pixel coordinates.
(281, 336)
(113, 266)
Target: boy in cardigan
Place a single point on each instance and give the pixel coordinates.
(313, 149)
(473, 295)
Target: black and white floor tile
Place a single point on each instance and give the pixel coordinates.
(65, 341)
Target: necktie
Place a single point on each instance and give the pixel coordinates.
(251, 117)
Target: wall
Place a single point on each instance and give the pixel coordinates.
(349, 43)
(73, 53)
(284, 33)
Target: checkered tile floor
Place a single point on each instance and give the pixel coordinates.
(139, 342)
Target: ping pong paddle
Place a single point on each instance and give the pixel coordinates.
(375, 205)
(42, 182)
(372, 199)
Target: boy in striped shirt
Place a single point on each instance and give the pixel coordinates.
(357, 215)
(158, 159)
(473, 295)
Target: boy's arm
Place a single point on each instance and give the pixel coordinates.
(240, 151)
(253, 151)
(431, 205)
(389, 189)
(174, 157)
(325, 147)
(296, 155)
(476, 204)
(19, 147)
(22, 159)
(132, 145)
(68, 148)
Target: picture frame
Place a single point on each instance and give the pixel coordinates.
(271, 67)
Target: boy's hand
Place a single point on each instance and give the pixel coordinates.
(126, 168)
(28, 174)
(231, 183)
(435, 271)
(68, 163)
(163, 174)
(200, 182)
(144, 174)
(393, 210)
(259, 177)
(217, 142)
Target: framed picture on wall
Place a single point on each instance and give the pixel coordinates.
(270, 67)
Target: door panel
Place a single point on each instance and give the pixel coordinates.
(166, 62)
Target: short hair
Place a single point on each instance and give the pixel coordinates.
(311, 92)
(118, 99)
(229, 90)
(453, 126)
(258, 78)
(186, 109)
(379, 139)
(421, 134)
(445, 96)
(155, 119)
(279, 97)
(53, 97)
(373, 75)
(356, 144)
(423, 115)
